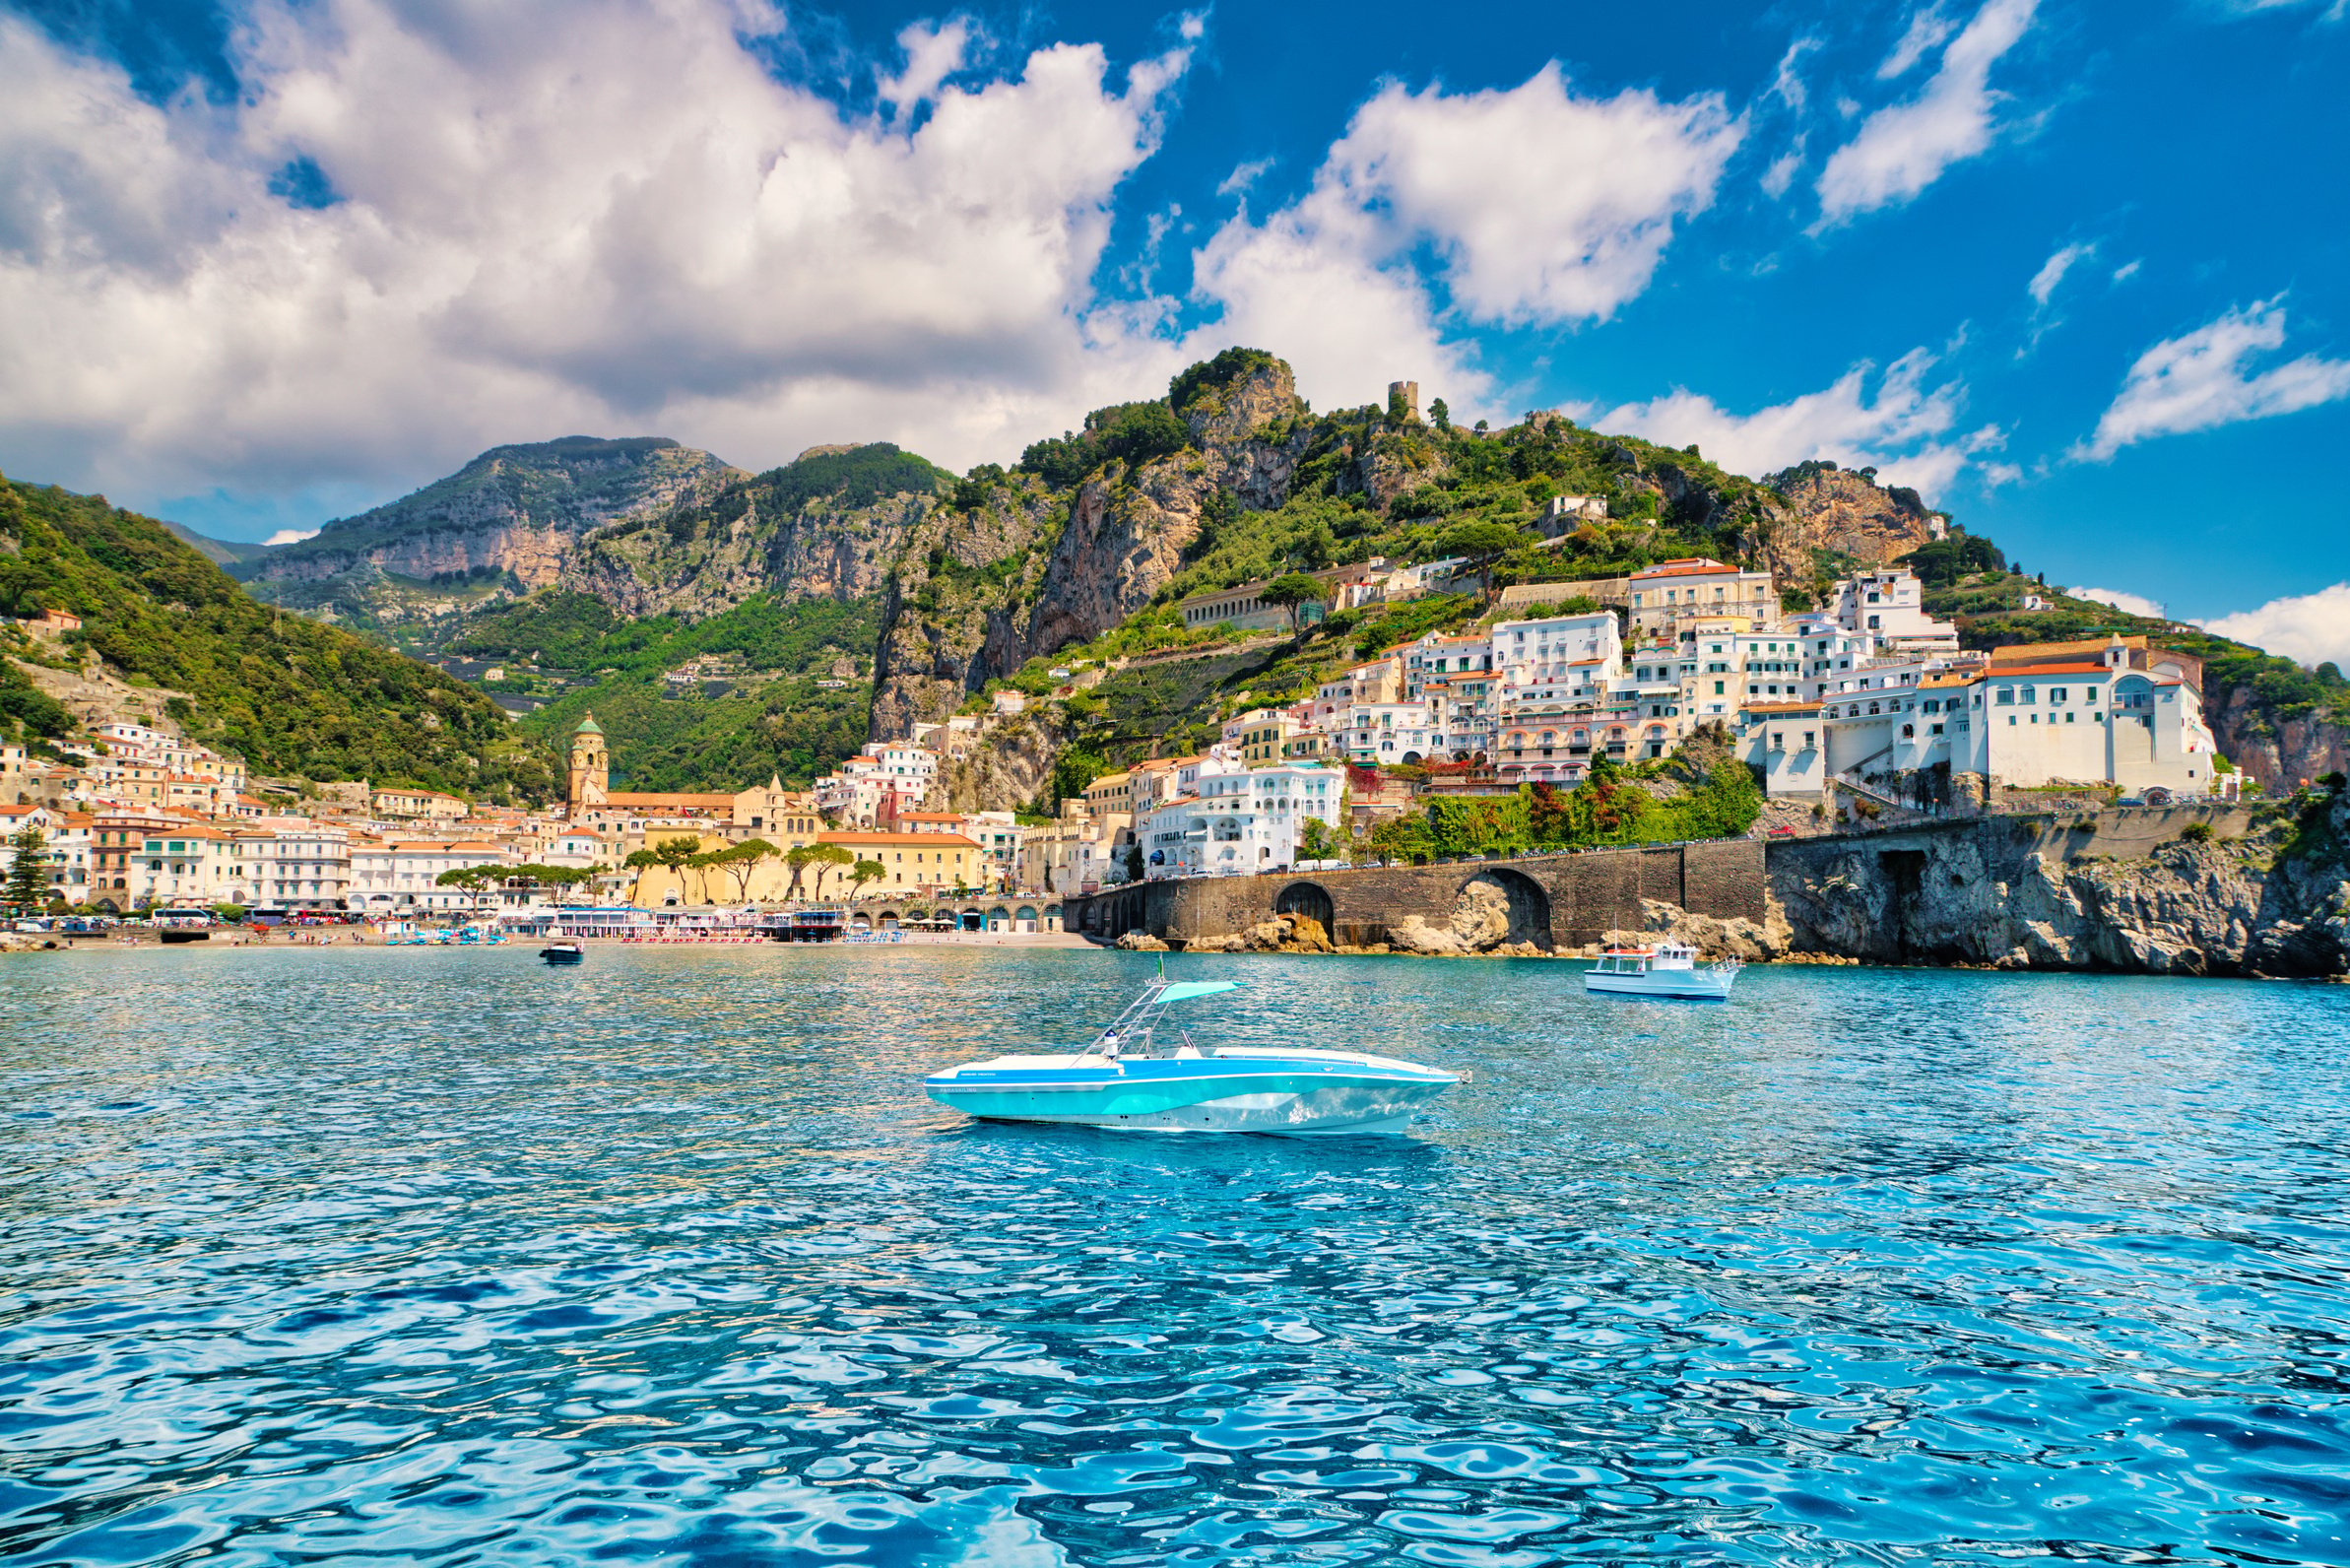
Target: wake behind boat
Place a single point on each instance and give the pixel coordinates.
(1129, 1077)
(1669, 970)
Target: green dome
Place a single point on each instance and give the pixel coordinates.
(588, 726)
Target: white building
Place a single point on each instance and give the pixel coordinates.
(1386, 732)
(1888, 606)
(298, 864)
(404, 877)
(2119, 714)
(1558, 650)
(1789, 741)
(1240, 824)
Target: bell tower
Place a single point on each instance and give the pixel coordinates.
(591, 766)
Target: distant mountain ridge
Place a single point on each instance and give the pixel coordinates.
(508, 520)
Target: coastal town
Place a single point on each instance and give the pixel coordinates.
(1838, 709)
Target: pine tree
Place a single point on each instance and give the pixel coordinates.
(28, 884)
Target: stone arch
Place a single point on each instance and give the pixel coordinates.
(1503, 906)
(999, 918)
(1024, 918)
(1052, 917)
(1310, 899)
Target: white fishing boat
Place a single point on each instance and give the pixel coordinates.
(1668, 970)
(1146, 1075)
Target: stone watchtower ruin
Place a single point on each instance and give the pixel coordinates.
(1403, 400)
(591, 765)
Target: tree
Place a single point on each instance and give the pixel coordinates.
(866, 871)
(28, 886)
(1291, 590)
(797, 859)
(824, 857)
(1440, 416)
(742, 862)
(1315, 841)
(1406, 838)
(639, 861)
(1483, 543)
(471, 879)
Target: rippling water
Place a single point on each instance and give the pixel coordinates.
(445, 1257)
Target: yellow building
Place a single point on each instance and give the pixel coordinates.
(914, 862)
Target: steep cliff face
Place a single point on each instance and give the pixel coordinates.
(1840, 511)
(1022, 572)
(1006, 772)
(515, 510)
(2012, 893)
(2277, 751)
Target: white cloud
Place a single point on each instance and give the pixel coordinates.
(1785, 83)
(2198, 380)
(1329, 280)
(1243, 177)
(1782, 172)
(1902, 149)
(1905, 430)
(932, 54)
(1613, 175)
(1927, 31)
(290, 536)
(2120, 598)
(2051, 272)
(554, 214)
(2127, 271)
(2311, 628)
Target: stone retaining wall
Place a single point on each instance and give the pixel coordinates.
(1553, 900)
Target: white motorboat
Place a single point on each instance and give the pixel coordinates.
(1669, 970)
(1145, 1075)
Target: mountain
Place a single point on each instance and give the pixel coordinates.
(725, 640)
(220, 553)
(288, 695)
(504, 524)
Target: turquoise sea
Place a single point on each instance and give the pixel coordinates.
(445, 1257)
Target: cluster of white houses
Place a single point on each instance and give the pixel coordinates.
(1871, 686)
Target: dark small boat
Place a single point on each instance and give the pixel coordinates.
(563, 952)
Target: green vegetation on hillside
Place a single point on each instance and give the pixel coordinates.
(288, 695)
(776, 713)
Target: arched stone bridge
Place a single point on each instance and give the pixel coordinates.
(1554, 901)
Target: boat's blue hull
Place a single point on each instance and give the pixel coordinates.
(1303, 1093)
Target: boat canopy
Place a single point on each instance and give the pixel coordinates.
(1185, 990)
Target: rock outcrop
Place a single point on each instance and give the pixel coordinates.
(1282, 934)
(1844, 511)
(1484, 920)
(1713, 938)
(1999, 892)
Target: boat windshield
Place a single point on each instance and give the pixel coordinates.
(1131, 1033)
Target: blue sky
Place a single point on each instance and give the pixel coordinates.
(2079, 271)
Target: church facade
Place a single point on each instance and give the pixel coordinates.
(628, 818)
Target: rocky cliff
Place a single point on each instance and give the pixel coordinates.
(2026, 894)
(514, 511)
(1844, 511)
(1016, 569)
(829, 525)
